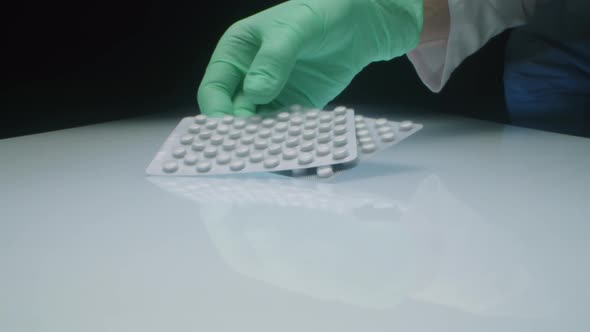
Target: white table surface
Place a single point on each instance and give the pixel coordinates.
(467, 226)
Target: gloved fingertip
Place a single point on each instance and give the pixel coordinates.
(217, 114)
(242, 113)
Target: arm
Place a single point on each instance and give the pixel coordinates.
(455, 29)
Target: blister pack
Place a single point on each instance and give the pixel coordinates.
(374, 135)
(274, 142)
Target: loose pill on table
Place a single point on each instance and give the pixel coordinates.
(325, 171)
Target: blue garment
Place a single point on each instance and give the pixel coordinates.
(547, 70)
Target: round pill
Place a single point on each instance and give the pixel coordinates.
(211, 124)
(170, 166)
(229, 145)
(278, 138)
(406, 125)
(191, 159)
(305, 158)
(325, 118)
(210, 152)
(359, 118)
(388, 137)
(380, 122)
(178, 152)
(216, 139)
(324, 138)
(242, 151)
(251, 128)
(223, 129)
(312, 114)
(368, 148)
(296, 120)
(282, 126)
(199, 146)
(255, 119)
(256, 157)
(274, 148)
(194, 129)
(340, 130)
(340, 110)
(360, 126)
(340, 153)
(307, 146)
(365, 140)
(228, 119)
(340, 120)
(289, 154)
(264, 133)
(203, 166)
(296, 108)
(325, 171)
(325, 127)
(295, 131)
(384, 129)
(292, 142)
(201, 119)
(205, 135)
(323, 150)
(309, 134)
(340, 141)
(223, 158)
(362, 133)
(260, 144)
(186, 139)
(283, 116)
(234, 134)
(268, 123)
(239, 124)
(310, 125)
(271, 162)
(237, 165)
(247, 139)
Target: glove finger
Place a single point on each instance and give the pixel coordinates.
(243, 107)
(226, 72)
(271, 67)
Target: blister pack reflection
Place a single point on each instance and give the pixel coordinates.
(334, 243)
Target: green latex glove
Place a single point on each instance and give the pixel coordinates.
(304, 52)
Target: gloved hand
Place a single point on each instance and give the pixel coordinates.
(304, 52)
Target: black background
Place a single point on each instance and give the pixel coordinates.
(73, 63)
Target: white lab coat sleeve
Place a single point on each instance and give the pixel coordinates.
(472, 24)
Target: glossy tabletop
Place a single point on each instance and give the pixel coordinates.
(466, 226)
